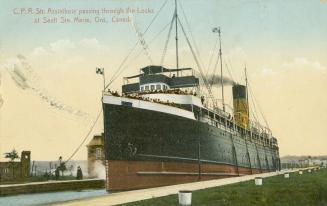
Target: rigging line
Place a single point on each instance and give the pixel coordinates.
(162, 30)
(141, 39)
(254, 113)
(190, 30)
(85, 138)
(155, 17)
(114, 77)
(194, 55)
(229, 72)
(214, 69)
(197, 62)
(167, 41)
(140, 52)
(260, 110)
(212, 54)
(254, 105)
(201, 83)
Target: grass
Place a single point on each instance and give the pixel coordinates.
(307, 189)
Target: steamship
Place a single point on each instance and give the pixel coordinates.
(163, 130)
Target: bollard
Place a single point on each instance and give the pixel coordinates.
(185, 197)
(309, 171)
(287, 175)
(258, 181)
(300, 172)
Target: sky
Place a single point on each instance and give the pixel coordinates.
(50, 110)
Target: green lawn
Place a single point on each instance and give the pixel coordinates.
(307, 189)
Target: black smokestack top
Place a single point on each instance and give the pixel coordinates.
(239, 91)
(216, 80)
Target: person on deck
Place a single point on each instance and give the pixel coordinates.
(79, 175)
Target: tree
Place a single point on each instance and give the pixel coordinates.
(12, 156)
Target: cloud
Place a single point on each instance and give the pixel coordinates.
(62, 46)
(267, 72)
(297, 65)
(91, 43)
(303, 64)
(40, 51)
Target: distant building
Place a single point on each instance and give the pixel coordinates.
(95, 154)
(16, 171)
(320, 162)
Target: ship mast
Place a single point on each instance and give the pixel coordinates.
(176, 37)
(221, 71)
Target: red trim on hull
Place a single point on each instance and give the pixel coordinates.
(128, 175)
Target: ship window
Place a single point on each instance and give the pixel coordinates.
(98, 153)
(146, 88)
(158, 87)
(152, 87)
(142, 88)
(5, 170)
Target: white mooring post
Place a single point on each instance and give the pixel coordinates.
(185, 197)
(287, 175)
(300, 172)
(258, 181)
(309, 170)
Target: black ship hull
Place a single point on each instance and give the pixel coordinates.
(146, 148)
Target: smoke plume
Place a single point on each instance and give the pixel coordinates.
(215, 80)
(99, 170)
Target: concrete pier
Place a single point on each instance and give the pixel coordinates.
(137, 195)
(51, 186)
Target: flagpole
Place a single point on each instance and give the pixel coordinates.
(101, 71)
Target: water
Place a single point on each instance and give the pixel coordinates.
(46, 198)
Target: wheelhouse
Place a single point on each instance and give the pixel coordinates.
(158, 78)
